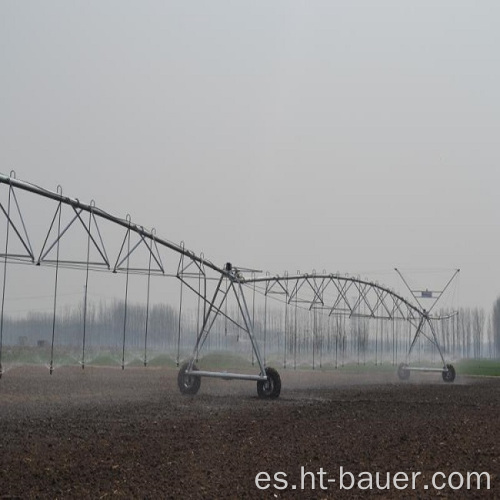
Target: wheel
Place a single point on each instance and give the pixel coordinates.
(403, 372)
(271, 387)
(449, 375)
(188, 384)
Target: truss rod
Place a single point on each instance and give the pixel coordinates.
(76, 204)
(338, 281)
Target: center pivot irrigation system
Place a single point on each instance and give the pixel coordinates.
(327, 294)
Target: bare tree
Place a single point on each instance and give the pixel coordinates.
(478, 318)
(490, 336)
(496, 327)
(464, 326)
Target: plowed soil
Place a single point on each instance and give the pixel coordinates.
(104, 432)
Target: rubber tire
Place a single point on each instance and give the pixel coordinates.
(270, 388)
(188, 384)
(403, 372)
(450, 375)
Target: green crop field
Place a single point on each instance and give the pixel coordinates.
(484, 367)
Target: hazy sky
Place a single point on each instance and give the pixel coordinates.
(351, 136)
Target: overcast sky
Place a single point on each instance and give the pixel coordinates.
(351, 136)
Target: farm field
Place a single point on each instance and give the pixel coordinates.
(107, 433)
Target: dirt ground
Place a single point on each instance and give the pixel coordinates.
(104, 432)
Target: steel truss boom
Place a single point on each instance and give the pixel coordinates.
(331, 294)
(338, 294)
(92, 209)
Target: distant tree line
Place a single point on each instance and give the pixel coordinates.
(295, 335)
(467, 334)
(105, 325)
